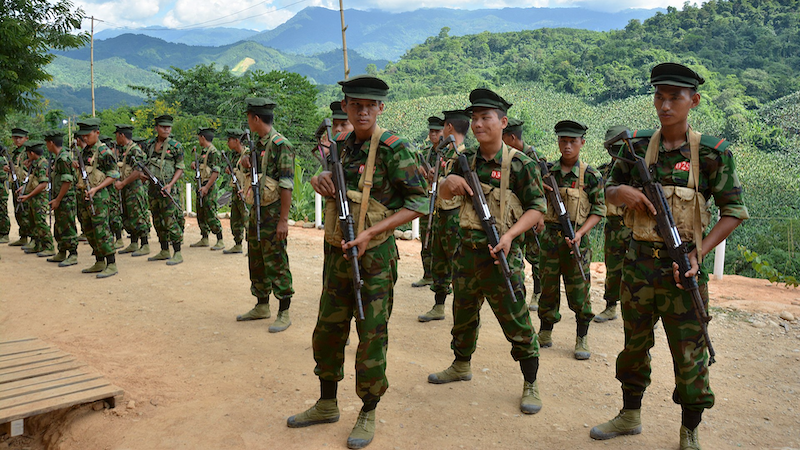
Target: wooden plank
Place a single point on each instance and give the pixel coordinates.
(39, 370)
(54, 393)
(15, 341)
(4, 387)
(32, 359)
(46, 405)
(27, 354)
(8, 394)
(23, 346)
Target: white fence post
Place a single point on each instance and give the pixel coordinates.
(415, 228)
(188, 197)
(317, 210)
(719, 260)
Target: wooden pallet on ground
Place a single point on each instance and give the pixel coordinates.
(36, 378)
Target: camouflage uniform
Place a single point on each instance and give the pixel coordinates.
(115, 210)
(648, 290)
(396, 185)
(617, 236)
(5, 221)
(168, 219)
(98, 229)
(532, 242)
(38, 209)
(207, 218)
(555, 258)
(19, 156)
(239, 209)
(135, 217)
(425, 253)
(445, 237)
(64, 230)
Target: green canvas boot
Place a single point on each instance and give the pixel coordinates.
(176, 259)
(530, 403)
(109, 271)
(582, 351)
(260, 311)
(59, 257)
(118, 244)
(545, 338)
(610, 313)
(46, 251)
(324, 411)
(690, 439)
(31, 247)
(363, 431)
(19, 242)
(163, 255)
(98, 267)
(4, 239)
(281, 323)
(235, 249)
(436, 313)
(458, 371)
(70, 261)
(143, 250)
(628, 421)
(219, 245)
(203, 242)
(534, 304)
(130, 248)
(422, 282)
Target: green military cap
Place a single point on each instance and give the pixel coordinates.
(336, 109)
(365, 86)
(138, 139)
(570, 128)
(234, 133)
(19, 132)
(50, 134)
(674, 74)
(206, 130)
(260, 105)
(435, 123)
(614, 131)
(513, 125)
(456, 114)
(165, 120)
(105, 138)
(86, 126)
(485, 98)
(35, 147)
(121, 127)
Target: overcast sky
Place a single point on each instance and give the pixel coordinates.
(266, 15)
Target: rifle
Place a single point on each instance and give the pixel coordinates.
(488, 222)
(234, 179)
(676, 248)
(156, 182)
(346, 221)
(197, 179)
(85, 178)
(555, 200)
(435, 186)
(255, 184)
(13, 171)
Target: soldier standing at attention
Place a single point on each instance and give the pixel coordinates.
(239, 209)
(691, 168)
(581, 188)
(62, 176)
(165, 160)
(101, 166)
(380, 171)
(445, 239)
(115, 212)
(476, 276)
(19, 136)
(5, 220)
(210, 162)
(512, 136)
(35, 197)
(134, 192)
(435, 127)
(266, 253)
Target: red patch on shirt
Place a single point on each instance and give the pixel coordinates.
(572, 186)
(496, 174)
(444, 164)
(361, 169)
(262, 153)
(684, 166)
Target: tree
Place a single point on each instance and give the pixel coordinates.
(29, 29)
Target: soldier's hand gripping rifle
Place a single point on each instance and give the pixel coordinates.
(346, 222)
(435, 186)
(197, 179)
(488, 222)
(13, 171)
(85, 178)
(156, 182)
(255, 185)
(676, 248)
(557, 203)
(234, 178)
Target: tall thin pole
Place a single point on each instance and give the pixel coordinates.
(344, 41)
(91, 64)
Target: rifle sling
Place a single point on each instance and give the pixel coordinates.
(365, 184)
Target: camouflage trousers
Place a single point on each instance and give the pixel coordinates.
(425, 253)
(444, 243)
(64, 231)
(617, 236)
(135, 213)
(207, 218)
(38, 210)
(267, 257)
(115, 211)
(22, 216)
(337, 307)
(476, 278)
(5, 220)
(97, 227)
(556, 263)
(167, 218)
(648, 293)
(239, 218)
(532, 256)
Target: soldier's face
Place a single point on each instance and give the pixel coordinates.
(570, 148)
(51, 147)
(341, 126)
(435, 135)
(19, 140)
(487, 126)
(91, 138)
(673, 104)
(362, 113)
(510, 140)
(163, 131)
(232, 143)
(120, 138)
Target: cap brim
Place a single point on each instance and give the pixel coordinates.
(673, 83)
(569, 134)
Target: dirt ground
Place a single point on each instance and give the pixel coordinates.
(194, 378)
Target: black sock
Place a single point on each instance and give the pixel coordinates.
(630, 401)
(327, 389)
(73, 252)
(610, 303)
(176, 246)
(144, 240)
(464, 358)
(219, 236)
(164, 245)
(690, 418)
(582, 329)
(370, 405)
(546, 326)
(530, 368)
(284, 303)
(98, 258)
(118, 235)
(111, 259)
(263, 300)
(440, 297)
(537, 286)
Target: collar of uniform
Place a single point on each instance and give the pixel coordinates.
(498, 157)
(351, 144)
(573, 170)
(268, 137)
(662, 149)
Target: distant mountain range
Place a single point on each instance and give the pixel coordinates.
(207, 37)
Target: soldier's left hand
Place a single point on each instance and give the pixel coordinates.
(194, 165)
(204, 190)
(361, 241)
(166, 190)
(283, 230)
(576, 241)
(695, 270)
(54, 203)
(24, 198)
(503, 245)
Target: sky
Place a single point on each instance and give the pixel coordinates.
(265, 15)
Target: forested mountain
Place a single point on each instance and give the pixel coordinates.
(209, 37)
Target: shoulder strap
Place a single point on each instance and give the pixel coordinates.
(265, 155)
(505, 174)
(694, 182)
(366, 178)
(582, 174)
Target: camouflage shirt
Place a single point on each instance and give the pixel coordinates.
(279, 163)
(38, 172)
(717, 171)
(63, 172)
(132, 153)
(106, 162)
(212, 158)
(592, 185)
(165, 162)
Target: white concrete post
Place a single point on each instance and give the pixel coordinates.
(415, 228)
(317, 210)
(719, 260)
(188, 197)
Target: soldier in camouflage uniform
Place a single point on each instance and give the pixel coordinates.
(512, 136)
(476, 276)
(692, 168)
(165, 160)
(18, 155)
(63, 204)
(581, 188)
(101, 168)
(266, 252)
(35, 197)
(339, 122)
(210, 162)
(435, 126)
(445, 239)
(239, 208)
(135, 216)
(397, 195)
(5, 220)
(115, 211)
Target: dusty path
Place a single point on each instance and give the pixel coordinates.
(196, 379)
